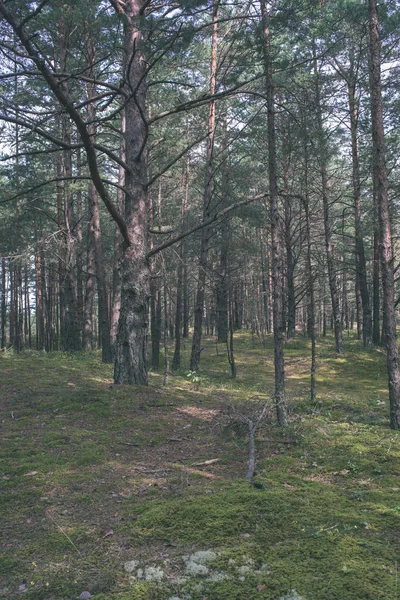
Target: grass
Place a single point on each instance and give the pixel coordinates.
(95, 475)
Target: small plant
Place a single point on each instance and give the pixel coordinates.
(353, 467)
(196, 379)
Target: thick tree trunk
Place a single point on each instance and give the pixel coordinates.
(381, 186)
(131, 351)
(131, 347)
(277, 275)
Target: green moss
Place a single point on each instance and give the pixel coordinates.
(323, 514)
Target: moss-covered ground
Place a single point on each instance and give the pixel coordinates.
(95, 476)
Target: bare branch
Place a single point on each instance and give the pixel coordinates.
(216, 217)
(57, 179)
(205, 99)
(175, 160)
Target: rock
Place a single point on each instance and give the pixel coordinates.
(85, 596)
(291, 595)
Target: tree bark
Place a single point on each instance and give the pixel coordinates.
(116, 284)
(310, 275)
(376, 332)
(277, 275)
(40, 332)
(176, 361)
(290, 258)
(87, 338)
(131, 348)
(3, 304)
(381, 186)
(222, 287)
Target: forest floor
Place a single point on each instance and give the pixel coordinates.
(123, 493)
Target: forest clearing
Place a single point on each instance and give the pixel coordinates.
(96, 476)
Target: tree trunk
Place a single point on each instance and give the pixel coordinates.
(277, 275)
(106, 353)
(70, 331)
(376, 332)
(131, 348)
(290, 260)
(3, 304)
(333, 284)
(87, 338)
(165, 339)
(104, 324)
(40, 332)
(381, 186)
(222, 291)
(361, 269)
(310, 277)
(207, 195)
(27, 303)
(79, 251)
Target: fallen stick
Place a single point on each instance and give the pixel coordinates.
(252, 442)
(129, 444)
(206, 462)
(252, 451)
(159, 405)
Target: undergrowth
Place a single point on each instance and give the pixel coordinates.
(96, 476)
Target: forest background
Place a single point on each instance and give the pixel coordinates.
(128, 125)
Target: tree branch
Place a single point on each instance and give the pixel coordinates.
(175, 160)
(68, 105)
(216, 217)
